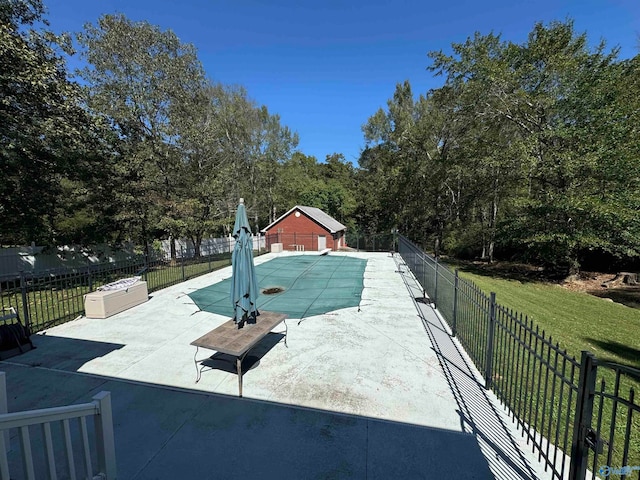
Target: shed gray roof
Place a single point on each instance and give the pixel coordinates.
(316, 214)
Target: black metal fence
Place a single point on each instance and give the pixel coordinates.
(609, 420)
(51, 297)
(379, 242)
(47, 298)
(551, 395)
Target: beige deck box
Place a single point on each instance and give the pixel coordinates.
(103, 304)
(276, 248)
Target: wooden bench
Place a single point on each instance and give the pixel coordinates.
(229, 339)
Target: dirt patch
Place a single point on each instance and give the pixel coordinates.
(599, 285)
(272, 290)
(587, 282)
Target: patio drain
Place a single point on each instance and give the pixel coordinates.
(272, 290)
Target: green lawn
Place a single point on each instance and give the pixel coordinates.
(58, 301)
(578, 321)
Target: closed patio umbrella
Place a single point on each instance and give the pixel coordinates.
(244, 284)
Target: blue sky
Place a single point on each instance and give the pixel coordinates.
(326, 66)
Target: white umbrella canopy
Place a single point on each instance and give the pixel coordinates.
(244, 284)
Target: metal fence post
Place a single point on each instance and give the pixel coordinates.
(90, 278)
(146, 266)
(182, 261)
(424, 271)
(454, 324)
(435, 282)
(4, 409)
(488, 370)
(583, 414)
(25, 300)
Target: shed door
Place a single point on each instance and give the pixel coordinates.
(322, 242)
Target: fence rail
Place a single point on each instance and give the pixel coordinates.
(551, 395)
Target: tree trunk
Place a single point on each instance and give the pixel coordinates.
(492, 226)
(622, 278)
(196, 246)
(172, 248)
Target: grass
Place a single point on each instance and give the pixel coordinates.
(55, 301)
(576, 321)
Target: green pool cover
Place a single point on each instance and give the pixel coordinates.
(311, 285)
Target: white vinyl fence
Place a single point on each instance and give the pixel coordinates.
(209, 246)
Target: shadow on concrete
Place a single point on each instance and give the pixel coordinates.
(168, 433)
(64, 353)
(478, 415)
(227, 363)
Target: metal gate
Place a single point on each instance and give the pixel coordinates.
(607, 433)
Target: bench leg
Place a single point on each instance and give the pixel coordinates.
(286, 333)
(239, 370)
(198, 370)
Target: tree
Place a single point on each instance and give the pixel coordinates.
(298, 174)
(528, 150)
(339, 178)
(142, 79)
(390, 136)
(564, 107)
(273, 145)
(480, 147)
(46, 134)
(216, 138)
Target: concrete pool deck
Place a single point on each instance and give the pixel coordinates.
(375, 391)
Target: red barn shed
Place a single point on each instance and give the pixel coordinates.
(306, 229)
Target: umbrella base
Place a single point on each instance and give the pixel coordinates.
(247, 319)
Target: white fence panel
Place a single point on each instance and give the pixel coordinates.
(209, 246)
(104, 465)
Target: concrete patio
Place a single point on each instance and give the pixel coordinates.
(375, 391)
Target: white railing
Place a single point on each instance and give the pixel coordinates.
(99, 409)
